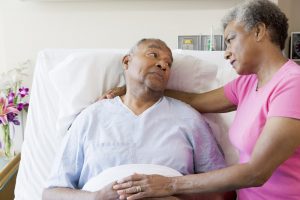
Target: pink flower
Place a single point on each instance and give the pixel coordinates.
(5, 109)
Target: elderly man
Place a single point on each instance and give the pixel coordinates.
(142, 126)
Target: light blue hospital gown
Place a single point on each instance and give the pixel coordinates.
(108, 134)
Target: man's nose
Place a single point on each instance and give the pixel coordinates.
(162, 65)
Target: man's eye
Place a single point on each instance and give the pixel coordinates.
(153, 54)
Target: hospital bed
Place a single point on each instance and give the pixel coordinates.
(66, 81)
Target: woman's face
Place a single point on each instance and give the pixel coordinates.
(242, 48)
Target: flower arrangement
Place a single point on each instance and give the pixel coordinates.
(13, 101)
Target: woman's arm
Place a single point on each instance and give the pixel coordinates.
(278, 141)
(210, 196)
(213, 101)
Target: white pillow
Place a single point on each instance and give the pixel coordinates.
(191, 74)
(115, 173)
(82, 77)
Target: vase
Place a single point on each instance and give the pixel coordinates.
(7, 140)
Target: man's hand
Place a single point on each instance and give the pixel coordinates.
(107, 193)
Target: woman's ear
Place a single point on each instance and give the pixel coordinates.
(260, 31)
(125, 61)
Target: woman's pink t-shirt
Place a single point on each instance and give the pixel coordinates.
(280, 97)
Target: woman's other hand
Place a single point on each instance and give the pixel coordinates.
(139, 186)
(118, 91)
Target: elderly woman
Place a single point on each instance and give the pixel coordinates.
(266, 128)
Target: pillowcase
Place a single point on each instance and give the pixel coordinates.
(115, 173)
(191, 74)
(82, 77)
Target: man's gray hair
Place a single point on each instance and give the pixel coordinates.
(144, 40)
(252, 12)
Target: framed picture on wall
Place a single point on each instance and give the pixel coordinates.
(295, 46)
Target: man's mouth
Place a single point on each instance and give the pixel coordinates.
(157, 74)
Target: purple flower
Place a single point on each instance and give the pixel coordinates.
(23, 91)
(25, 107)
(12, 117)
(11, 97)
(20, 106)
(16, 122)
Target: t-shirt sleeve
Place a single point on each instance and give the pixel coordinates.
(230, 91)
(285, 101)
(238, 89)
(207, 154)
(68, 162)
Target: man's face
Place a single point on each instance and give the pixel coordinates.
(149, 65)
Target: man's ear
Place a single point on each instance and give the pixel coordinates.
(125, 61)
(260, 31)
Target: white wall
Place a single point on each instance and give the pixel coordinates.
(2, 51)
(26, 27)
(30, 26)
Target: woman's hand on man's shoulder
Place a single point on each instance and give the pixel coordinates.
(117, 91)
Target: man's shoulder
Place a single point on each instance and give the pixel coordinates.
(98, 106)
(182, 109)
(177, 104)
